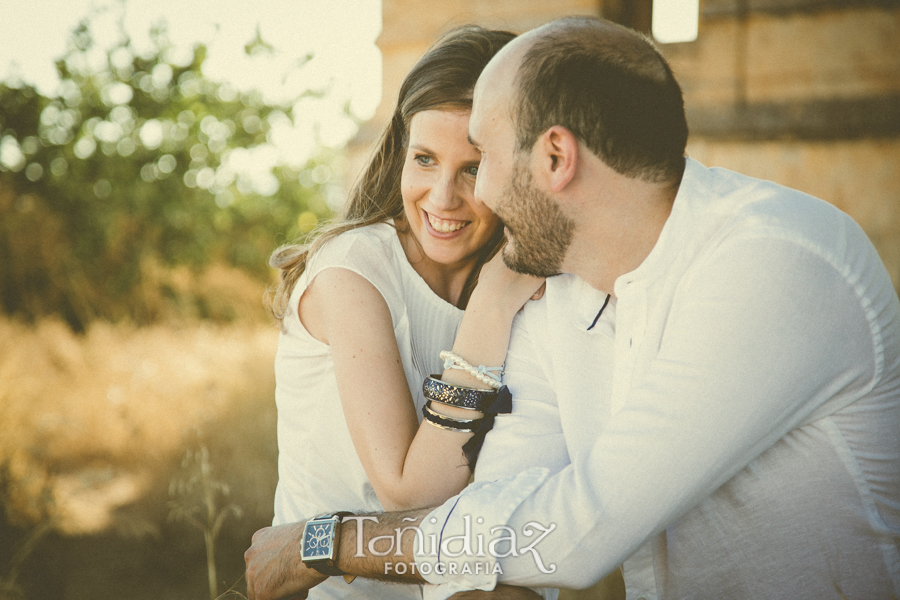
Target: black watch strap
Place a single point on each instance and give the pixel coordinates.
(326, 570)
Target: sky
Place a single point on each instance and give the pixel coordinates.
(339, 33)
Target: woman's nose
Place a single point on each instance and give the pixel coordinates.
(445, 193)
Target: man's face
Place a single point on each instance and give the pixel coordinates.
(537, 231)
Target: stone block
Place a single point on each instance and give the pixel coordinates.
(707, 68)
(824, 55)
(777, 58)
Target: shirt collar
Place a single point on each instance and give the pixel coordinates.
(583, 302)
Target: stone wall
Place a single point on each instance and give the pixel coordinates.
(802, 92)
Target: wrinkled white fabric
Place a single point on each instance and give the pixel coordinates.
(732, 426)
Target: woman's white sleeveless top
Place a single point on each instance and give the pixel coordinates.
(318, 468)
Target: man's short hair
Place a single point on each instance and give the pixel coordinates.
(610, 87)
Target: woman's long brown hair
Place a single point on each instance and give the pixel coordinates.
(443, 79)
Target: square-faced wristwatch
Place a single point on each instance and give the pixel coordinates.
(321, 537)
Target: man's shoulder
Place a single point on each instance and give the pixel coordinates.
(765, 202)
(740, 207)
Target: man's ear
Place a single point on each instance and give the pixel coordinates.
(559, 148)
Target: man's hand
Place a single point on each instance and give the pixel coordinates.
(274, 568)
(501, 592)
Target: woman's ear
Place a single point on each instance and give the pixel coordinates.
(559, 147)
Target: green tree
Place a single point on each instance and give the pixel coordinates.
(128, 173)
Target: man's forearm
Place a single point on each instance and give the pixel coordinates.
(384, 549)
(381, 546)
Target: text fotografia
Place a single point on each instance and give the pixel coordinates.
(441, 568)
(504, 542)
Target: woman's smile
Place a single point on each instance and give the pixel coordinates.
(444, 226)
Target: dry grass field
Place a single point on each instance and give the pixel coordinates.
(100, 435)
(108, 437)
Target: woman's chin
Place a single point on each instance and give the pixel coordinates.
(442, 256)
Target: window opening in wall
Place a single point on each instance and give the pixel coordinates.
(675, 20)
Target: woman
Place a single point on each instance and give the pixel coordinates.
(367, 310)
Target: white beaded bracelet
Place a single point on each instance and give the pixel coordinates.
(487, 375)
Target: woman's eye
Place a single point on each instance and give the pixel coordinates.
(424, 160)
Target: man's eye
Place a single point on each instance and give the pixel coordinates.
(473, 171)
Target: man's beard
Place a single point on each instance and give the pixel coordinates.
(539, 232)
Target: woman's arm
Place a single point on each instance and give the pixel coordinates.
(409, 465)
(483, 335)
(344, 310)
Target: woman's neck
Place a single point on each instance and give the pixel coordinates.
(447, 281)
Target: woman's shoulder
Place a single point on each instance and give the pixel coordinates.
(368, 251)
(360, 245)
(374, 235)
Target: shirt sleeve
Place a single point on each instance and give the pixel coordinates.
(763, 336)
(530, 436)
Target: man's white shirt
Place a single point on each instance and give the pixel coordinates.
(727, 429)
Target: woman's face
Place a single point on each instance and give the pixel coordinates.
(437, 185)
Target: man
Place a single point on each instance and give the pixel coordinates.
(735, 437)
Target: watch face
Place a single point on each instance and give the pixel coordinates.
(318, 537)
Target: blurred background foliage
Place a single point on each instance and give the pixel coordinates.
(123, 197)
(138, 207)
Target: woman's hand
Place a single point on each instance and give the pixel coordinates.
(501, 287)
(485, 329)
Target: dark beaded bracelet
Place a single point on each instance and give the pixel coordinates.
(457, 395)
